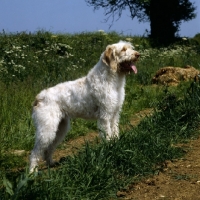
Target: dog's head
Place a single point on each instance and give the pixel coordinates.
(121, 57)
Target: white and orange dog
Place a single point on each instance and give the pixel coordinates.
(99, 95)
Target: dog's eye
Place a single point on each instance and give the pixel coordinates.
(124, 49)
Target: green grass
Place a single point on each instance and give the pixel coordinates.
(31, 62)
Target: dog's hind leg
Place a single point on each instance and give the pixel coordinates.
(46, 121)
(63, 128)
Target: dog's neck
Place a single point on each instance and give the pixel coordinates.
(102, 73)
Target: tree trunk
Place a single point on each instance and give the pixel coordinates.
(163, 28)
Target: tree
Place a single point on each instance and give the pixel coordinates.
(165, 16)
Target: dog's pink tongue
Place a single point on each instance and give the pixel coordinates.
(134, 68)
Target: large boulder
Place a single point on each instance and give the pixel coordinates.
(174, 75)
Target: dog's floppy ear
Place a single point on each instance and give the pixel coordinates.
(109, 58)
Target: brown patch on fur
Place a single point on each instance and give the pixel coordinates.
(109, 58)
(124, 48)
(174, 75)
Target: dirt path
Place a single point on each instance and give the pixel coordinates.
(180, 179)
(73, 145)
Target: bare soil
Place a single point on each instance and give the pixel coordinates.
(179, 180)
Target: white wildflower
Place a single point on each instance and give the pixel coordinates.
(129, 39)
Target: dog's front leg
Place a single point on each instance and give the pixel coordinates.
(115, 125)
(104, 127)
